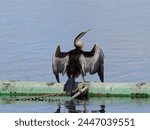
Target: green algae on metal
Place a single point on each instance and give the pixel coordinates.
(28, 88)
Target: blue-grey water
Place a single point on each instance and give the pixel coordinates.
(31, 30)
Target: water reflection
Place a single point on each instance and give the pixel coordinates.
(58, 110)
(71, 106)
(64, 105)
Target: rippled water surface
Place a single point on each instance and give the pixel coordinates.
(31, 30)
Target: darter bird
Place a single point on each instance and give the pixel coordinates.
(78, 62)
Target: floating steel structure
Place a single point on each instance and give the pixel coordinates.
(23, 88)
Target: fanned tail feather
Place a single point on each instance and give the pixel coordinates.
(70, 85)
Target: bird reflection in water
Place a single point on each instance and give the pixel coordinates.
(102, 109)
(71, 105)
(58, 110)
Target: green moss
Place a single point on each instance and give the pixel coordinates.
(132, 95)
(139, 95)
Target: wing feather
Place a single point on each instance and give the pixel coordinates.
(59, 61)
(92, 61)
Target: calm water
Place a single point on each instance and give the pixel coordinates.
(31, 30)
(92, 105)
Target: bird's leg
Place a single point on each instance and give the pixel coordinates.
(83, 79)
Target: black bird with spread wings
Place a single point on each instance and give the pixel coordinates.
(78, 62)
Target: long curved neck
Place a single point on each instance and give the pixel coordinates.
(78, 45)
(77, 42)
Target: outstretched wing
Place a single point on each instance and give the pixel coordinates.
(59, 62)
(93, 61)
